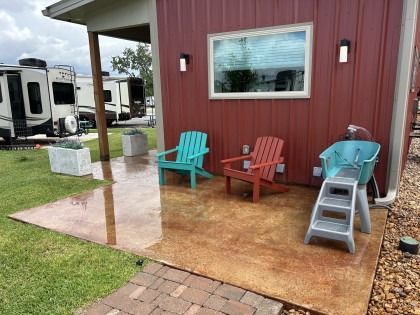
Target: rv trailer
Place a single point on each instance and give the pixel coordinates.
(124, 98)
(35, 100)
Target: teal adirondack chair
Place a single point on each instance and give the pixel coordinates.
(189, 159)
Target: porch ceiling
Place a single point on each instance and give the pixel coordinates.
(140, 33)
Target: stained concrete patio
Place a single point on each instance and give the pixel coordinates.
(258, 247)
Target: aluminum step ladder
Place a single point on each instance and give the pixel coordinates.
(333, 213)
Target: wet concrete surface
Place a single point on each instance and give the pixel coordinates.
(226, 237)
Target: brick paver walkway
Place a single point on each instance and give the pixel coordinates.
(159, 289)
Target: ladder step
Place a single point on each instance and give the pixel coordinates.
(331, 227)
(337, 195)
(339, 185)
(340, 180)
(335, 202)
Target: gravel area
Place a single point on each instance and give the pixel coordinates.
(397, 282)
(396, 288)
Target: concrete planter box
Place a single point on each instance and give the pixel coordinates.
(134, 145)
(70, 161)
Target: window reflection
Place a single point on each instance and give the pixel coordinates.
(260, 63)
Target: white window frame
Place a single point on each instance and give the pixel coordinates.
(307, 27)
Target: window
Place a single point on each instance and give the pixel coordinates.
(107, 96)
(262, 63)
(137, 92)
(63, 93)
(34, 93)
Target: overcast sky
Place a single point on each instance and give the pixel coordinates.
(25, 32)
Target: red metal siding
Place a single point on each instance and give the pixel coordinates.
(359, 92)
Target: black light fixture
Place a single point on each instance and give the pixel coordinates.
(344, 50)
(184, 60)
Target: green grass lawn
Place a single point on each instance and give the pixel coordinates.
(43, 272)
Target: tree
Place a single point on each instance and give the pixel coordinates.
(242, 79)
(136, 63)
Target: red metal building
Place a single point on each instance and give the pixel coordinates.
(358, 92)
(374, 88)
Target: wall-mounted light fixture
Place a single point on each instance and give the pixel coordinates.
(184, 59)
(344, 50)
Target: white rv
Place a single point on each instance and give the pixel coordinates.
(124, 98)
(35, 99)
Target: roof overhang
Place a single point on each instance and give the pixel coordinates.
(105, 17)
(74, 11)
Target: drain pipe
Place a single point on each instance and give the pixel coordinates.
(402, 88)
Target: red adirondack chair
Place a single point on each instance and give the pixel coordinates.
(264, 159)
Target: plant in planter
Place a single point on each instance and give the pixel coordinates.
(134, 142)
(71, 158)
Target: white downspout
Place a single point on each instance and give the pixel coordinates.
(402, 87)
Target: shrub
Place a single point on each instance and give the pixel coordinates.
(75, 145)
(133, 131)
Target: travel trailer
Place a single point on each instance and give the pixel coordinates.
(124, 98)
(35, 99)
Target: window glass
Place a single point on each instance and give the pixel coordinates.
(107, 96)
(137, 92)
(63, 93)
(266, 63)
(34, 93)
